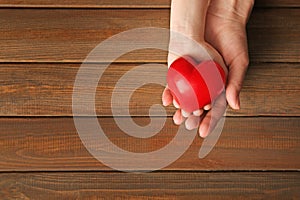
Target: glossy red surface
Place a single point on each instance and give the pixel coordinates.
(195, 85)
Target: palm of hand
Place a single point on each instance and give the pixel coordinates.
(225, 31)
(226, 35)
(192, 121)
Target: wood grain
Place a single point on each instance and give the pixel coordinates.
(123, 4)
(277, 3)
(87, 3)
(46, 90)
(52, 144)
(43, 157)
(190, 185)
(68, 35)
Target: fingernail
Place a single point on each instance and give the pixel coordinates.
(177, 119)
(176, 104)
(202, 132)
(237, 105)
(176, 122)
(185, 114)
(207, 107)
(192, 122)
(198, 112)
(164, 103)
(189, 125)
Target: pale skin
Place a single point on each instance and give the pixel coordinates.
(219, 26)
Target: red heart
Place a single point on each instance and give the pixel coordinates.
(194, 86)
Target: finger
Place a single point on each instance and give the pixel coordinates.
(177, 118)
(192, 122)
(207, 107)
(167, 97)
(185, 114)
(198, 112)
(237, 72)
(211, 119)
(176, 104)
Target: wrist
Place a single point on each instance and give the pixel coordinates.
(187, 32)
(237, 10)
(189, 18)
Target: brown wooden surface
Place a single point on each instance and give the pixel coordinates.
(46, 90)
(256, 157)
(123, 4)
(245, 144)
(263, 185)
(69, 34)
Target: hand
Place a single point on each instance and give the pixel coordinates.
(189, 19)
(225, 30)
(208, 118)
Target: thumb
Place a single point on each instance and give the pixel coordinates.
(237, 72)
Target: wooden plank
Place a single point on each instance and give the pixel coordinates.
(258, 30)
(190, 185)
(39, 144)
(46, 90)
(87, 3)
(277, 3)
(122, 4)
(59, 35)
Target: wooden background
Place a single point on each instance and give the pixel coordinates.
(43, 43)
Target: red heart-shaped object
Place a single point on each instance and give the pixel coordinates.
(194, 86)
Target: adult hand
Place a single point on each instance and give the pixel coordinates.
(189, 20)
(225, 31)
